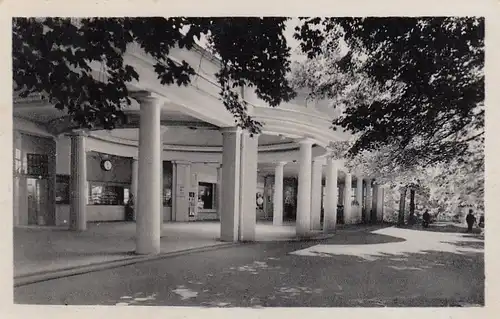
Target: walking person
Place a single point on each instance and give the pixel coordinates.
(470, 219)
(129, 209)
(426, 219)
(481, 221)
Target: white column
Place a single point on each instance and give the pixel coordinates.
(78, 180)
(278, 194)
(375, 203)
(330, 214)
(303, 223)
(174, 189)
(149, 210)
(368, 201)
(348, 219)
(248, 186)
(134, 183)
(231, 153)
(380, 204)
(317, 174)
(219, 190)
(359, 196)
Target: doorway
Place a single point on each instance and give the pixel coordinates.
(37, 191)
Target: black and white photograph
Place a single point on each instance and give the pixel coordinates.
(248, 161)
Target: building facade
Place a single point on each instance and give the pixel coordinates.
(180, 158)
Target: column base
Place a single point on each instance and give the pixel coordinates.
(81, 228)
(277, 223)
(302, 232)
(228, 240)
(147, 253)
(329, 231)
(145, 249)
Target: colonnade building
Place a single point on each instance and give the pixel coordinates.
(182, 159)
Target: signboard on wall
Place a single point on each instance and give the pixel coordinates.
(181, 191)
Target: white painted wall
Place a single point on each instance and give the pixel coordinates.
(63, 155)
(205, 172)
(97, 213)
(203, 169)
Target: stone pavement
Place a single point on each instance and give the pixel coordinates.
(415, 242)
(360, 266)
(48, 249)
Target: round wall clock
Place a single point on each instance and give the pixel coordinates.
(106, 165)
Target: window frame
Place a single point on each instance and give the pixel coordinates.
(65, 180)
(121, 196)
(213, 201)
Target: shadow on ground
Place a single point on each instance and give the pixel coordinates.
(266, 275)
(427, 279)
(443, 228)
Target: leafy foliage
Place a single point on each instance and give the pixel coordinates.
(442, 187)
(53, 56)
(432, 66)
(326, 77)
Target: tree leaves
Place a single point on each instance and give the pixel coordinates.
(437, 62)
(53, 56)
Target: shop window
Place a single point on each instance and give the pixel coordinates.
(259, 200)
(62, 189)
(167, 183)
(37, 164)
(102, 194)
(206, 196)
(126, 195)
(167, 197)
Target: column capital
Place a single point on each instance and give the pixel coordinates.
(252, 135)
(306, 141)
(148, 100)
(79, 132)
(233, 129)
(281, 163)
(371, 181)
(332, 159)
(143, 96)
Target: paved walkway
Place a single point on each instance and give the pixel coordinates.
(363, 266)
(43, 249)
(414, 242)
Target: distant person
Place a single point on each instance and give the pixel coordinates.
(129, 209)
(470, 219)
(426, 219)
(481, 221)
(412, 219)
(260, 201)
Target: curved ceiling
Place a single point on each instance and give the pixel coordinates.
(186, 136)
